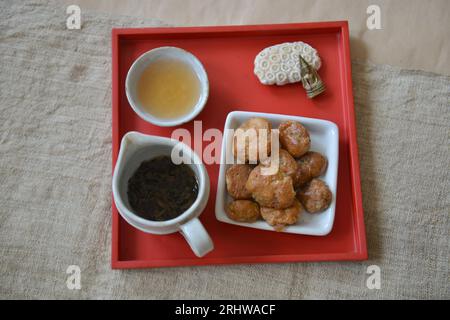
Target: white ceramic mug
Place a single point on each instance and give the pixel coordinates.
(136, 148)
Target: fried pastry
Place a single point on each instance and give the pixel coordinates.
(294, 138)
(287, 164)
(282, 217)
(243, 211)
(236, 177)
(256, 137)
(315, 196)
(309, 166)
(271, 190)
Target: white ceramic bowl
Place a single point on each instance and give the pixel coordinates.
(141, 63)
(135, 148)
(324, 139)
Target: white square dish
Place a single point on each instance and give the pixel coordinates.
(324, 139)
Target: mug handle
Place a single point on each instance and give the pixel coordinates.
(197, 237)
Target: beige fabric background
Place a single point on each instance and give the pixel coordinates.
(55, 177)
(413, 34)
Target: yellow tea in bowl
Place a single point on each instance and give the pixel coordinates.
(168, 88)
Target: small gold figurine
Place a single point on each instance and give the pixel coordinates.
(310, 79)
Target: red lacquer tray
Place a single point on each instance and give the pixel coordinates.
(227, 54)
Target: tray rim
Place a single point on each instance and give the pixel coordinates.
(308, 27)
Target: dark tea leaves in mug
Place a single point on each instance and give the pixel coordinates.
(160, 190)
